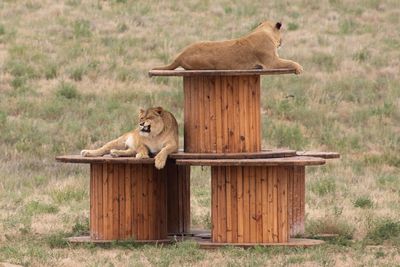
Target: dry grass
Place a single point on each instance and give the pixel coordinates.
(68, 66)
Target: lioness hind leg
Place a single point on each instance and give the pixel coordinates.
(118, 143)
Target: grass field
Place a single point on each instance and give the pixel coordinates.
(73, 74)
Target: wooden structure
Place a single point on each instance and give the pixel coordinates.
(128, 198)
(255, 199)
(258, 196)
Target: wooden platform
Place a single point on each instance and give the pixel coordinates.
(87, 239)
(204, 243)
(293, 242)
(286, 161)
(182, 72)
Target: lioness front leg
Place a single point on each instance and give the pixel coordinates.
(118, 143)
(285, 63)
(161, 157)
(122, 153)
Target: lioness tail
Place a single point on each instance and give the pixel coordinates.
(171, 66)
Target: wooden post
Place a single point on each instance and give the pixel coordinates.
(222, 114)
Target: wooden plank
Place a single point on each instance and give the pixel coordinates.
(228, 200)
(187, 199)
(246, 119)
(218, 114)
(121, 201)
(187, 132)
(182, 72)
(302, 198)
(246, 205)
(211, 114)
(258, 188)
(224, 113)
(134, 193)
(202, 120)
(147, 173)
(270, 225)
(100, 202)
(234, 203)
(139, 199)
(207, 118)
(319, 154)
(195, 111)
(103, 159)
(214, 204)
(284, 235)
(264, 201)
(236, 113)
(252, 196)
(93, 202)
(290, 199)
(152, 198)
(115, 206)
(275, 234)
(287, 161)
(221, 205)
(296, 202)
(229, 114)
(128, 201)
(173, 221)
(240, 215)
(242, 110)
(257, 105)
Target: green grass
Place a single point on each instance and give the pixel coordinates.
(73, 74)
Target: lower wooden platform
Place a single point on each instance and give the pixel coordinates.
(88, 239)
(203, 243)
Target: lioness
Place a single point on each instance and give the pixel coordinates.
(257, 50)
(157, 133)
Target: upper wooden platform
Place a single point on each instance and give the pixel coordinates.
(182, 72)
(265, 157)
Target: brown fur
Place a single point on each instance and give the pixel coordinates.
(254, 51)
(162, 138)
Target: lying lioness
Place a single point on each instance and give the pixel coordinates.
(257, 50)
(157, 133)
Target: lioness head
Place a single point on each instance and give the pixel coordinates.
(272, 29)
(151, 122)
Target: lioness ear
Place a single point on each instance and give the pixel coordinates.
(159, 110)
(278, 25)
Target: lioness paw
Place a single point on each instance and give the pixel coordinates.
(299, 69)
(160, 160)
(114, 153)
(86, 153)
(142, 156)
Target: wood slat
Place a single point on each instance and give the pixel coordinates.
(193, 73)
(121, 201)
(252, 198)
(240, 203)
(128, 202)
(264, 201)
(258, 217)
(234, 203)
(287, 161)
(246, 205)
(214, 204)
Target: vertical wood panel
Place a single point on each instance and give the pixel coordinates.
(258, 218)
(252, 195)
(128, 202)
(221, 205)
(121, 201)
(264, 200)
(234, 203)
(275, 204)
(240, 215)
(246, 205)
(228, 200)
(214, 204)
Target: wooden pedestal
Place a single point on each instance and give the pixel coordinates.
(131, 200)
(222, 114)
(263, 204)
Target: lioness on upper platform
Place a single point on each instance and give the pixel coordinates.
(257, 50)
(157, 133)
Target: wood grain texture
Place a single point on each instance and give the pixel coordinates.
(128, 201)
(221, 114)
(193, 73)
(249, 204)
